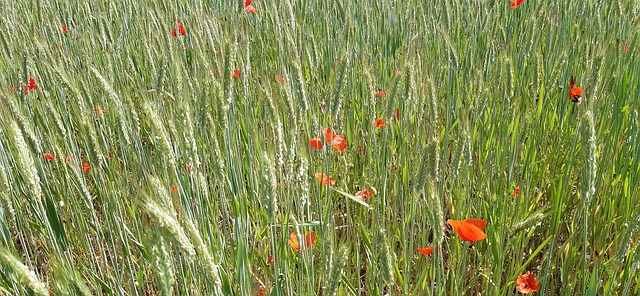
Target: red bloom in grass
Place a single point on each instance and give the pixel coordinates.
(32, 85)
(86, 167)
(364, 194)
(173, 32)
(339, 143)
(328, 134)
(280, 78)
(527, 283)
(326, 180)
(335, 64)
(316, 143)
(381, 93)
(470, 230)
(236, 73)
(110, 155)
(361, 150)
(173, 188)
(99, 110)
(250, 9)
(575, 93)
(309, 240)
(425, 251)
(64, 28)
(181, 28)
(379, 123)
(516, 192)
(48, 156)
(261, 293)
(11, 88)
(516, 3)
(188, 167)
(69, 158)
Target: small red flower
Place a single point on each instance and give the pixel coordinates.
(188, 167)
(186, 48)
(174, 188)
(32, 85)
(470, 230)
(236, 73)
(379, 123)
(425, 251)
(527, 283)
(250, 9)
(575, 93)
(316, 143)
(248, 2)
(280, 78)
(11, 88)
(326, 180)
(309, 240)
(69, 158)
(328, 134)
(381, 93)
(181, 28)
(261, 293)
(339, 143)
(516, 3)
(48, 156)
(173, 32)
(64, 28)
(364, 194)
(360, 150)
(86, 167)
(110, 155)
(516, 192)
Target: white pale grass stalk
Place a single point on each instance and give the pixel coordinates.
(168, 222)
(203, 251)
(27, 277)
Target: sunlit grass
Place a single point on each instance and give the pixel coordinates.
(198, 175)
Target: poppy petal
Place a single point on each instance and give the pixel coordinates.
(467, 231)
(316, 143)
(425, 251)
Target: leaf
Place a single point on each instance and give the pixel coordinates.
(352, 197)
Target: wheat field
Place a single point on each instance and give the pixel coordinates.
(299, 147)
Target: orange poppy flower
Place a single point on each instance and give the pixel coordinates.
(48, 156)
(516, 192)
(261, 293)
(316, 143)
(236, 73)
(64, 28)
(364, 194)
(11, 88)
(173, 32)
(309, 240)
(86, 167)
(379, 123)
(188, 167)
(279, 78)
(470, 230)
(527, 283)
(575, 93)
(516, 3)
(381, 93)
(250, 9)
(425, 251)
(326, 180)
(181, 28)
(174, 188)
(328, 134)
(339, 143)
(32, 84)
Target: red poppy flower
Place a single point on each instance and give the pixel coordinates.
(381, 93)
(379, 123)
(516, 3)
(335, 64)
(516, 192)
(110, 155)
(48, 156)
(236, 73)
(339, 143)
(86, 167)
(470, 230)
(11, 88)
(361, 150)
(279, 78)
(173, 32)
(181, 28)
(250, 9)
(425, 251)
(64, 28)
(261, 293)
(316, 143)
(575, 93)
(188, 167)
(364, 194)
(326, 180)
(328, 134)
(32, 84)
(69, 158)
(527, 283)
(309, 240)
(173, 188)
(248, 2)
